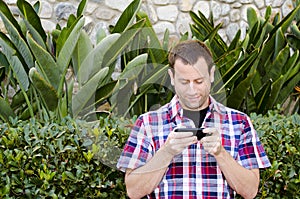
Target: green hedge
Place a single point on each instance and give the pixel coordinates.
(280, 135)
(70, 159)
(75, 159)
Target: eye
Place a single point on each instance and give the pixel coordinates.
(199, 81)
(184, 82)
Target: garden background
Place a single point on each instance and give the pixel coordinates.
(71, 91)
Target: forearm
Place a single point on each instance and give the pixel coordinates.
(244, 181)
(144, 180)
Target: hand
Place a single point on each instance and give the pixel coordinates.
(212, 144)
(178, 141)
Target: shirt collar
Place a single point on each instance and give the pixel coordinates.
(175, 107)
(215, 106)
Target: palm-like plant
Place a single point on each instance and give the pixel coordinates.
(142, 60)
(36, 73)
(260, 71)
(36, 64)
(140, 88)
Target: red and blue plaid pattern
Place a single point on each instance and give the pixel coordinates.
(193, 173)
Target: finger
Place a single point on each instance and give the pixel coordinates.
(212, 138)
(185, 141)
(210, 130)
(212, 147)
(182, 134)
(177, 145)
(171, 135)
(184, 145)
(211, 144)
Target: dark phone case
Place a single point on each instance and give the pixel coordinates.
(196, 132)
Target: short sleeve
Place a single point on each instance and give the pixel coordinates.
(137, 150)
(251, 152)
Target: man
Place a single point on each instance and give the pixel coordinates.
(162, 163)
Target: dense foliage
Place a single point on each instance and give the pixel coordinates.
(260, 70)
(281, 138)
(49, 76)
(69, 159)
(77, 159)
(47, 152)
(66, 73)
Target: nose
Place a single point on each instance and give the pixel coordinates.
(192, 87)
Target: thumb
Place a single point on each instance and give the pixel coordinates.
(212, 131)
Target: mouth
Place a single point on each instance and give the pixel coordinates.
(194, 99)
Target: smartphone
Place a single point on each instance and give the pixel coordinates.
(196, 132)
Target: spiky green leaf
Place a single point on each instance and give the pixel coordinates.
(127, 17)
(18, 41)
(81, 7)
(83, 48)
(93, 62)
(87, 91)
(134, 67)
(116, 49)
(15, 63)
(31, 16)
(239, 94)
(46, 91)
(47, 64)
(5, 110)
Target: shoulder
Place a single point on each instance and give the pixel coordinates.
(161, 112)
(232, 115)
(227, 110)
(169, 110)
(236, 112)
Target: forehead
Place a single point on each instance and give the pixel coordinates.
(200, 66)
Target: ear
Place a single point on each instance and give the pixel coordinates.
(171, 76)
(212, 74)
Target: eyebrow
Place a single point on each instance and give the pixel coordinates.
(200, 78)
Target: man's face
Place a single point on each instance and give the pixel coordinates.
(192, 84)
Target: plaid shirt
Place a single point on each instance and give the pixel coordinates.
(193, 173)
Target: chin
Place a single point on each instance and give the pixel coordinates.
(194, 107)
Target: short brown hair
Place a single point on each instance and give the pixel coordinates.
(189, 52)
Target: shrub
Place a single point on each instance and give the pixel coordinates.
(76, 159)
(70, 159)
(280, 136)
